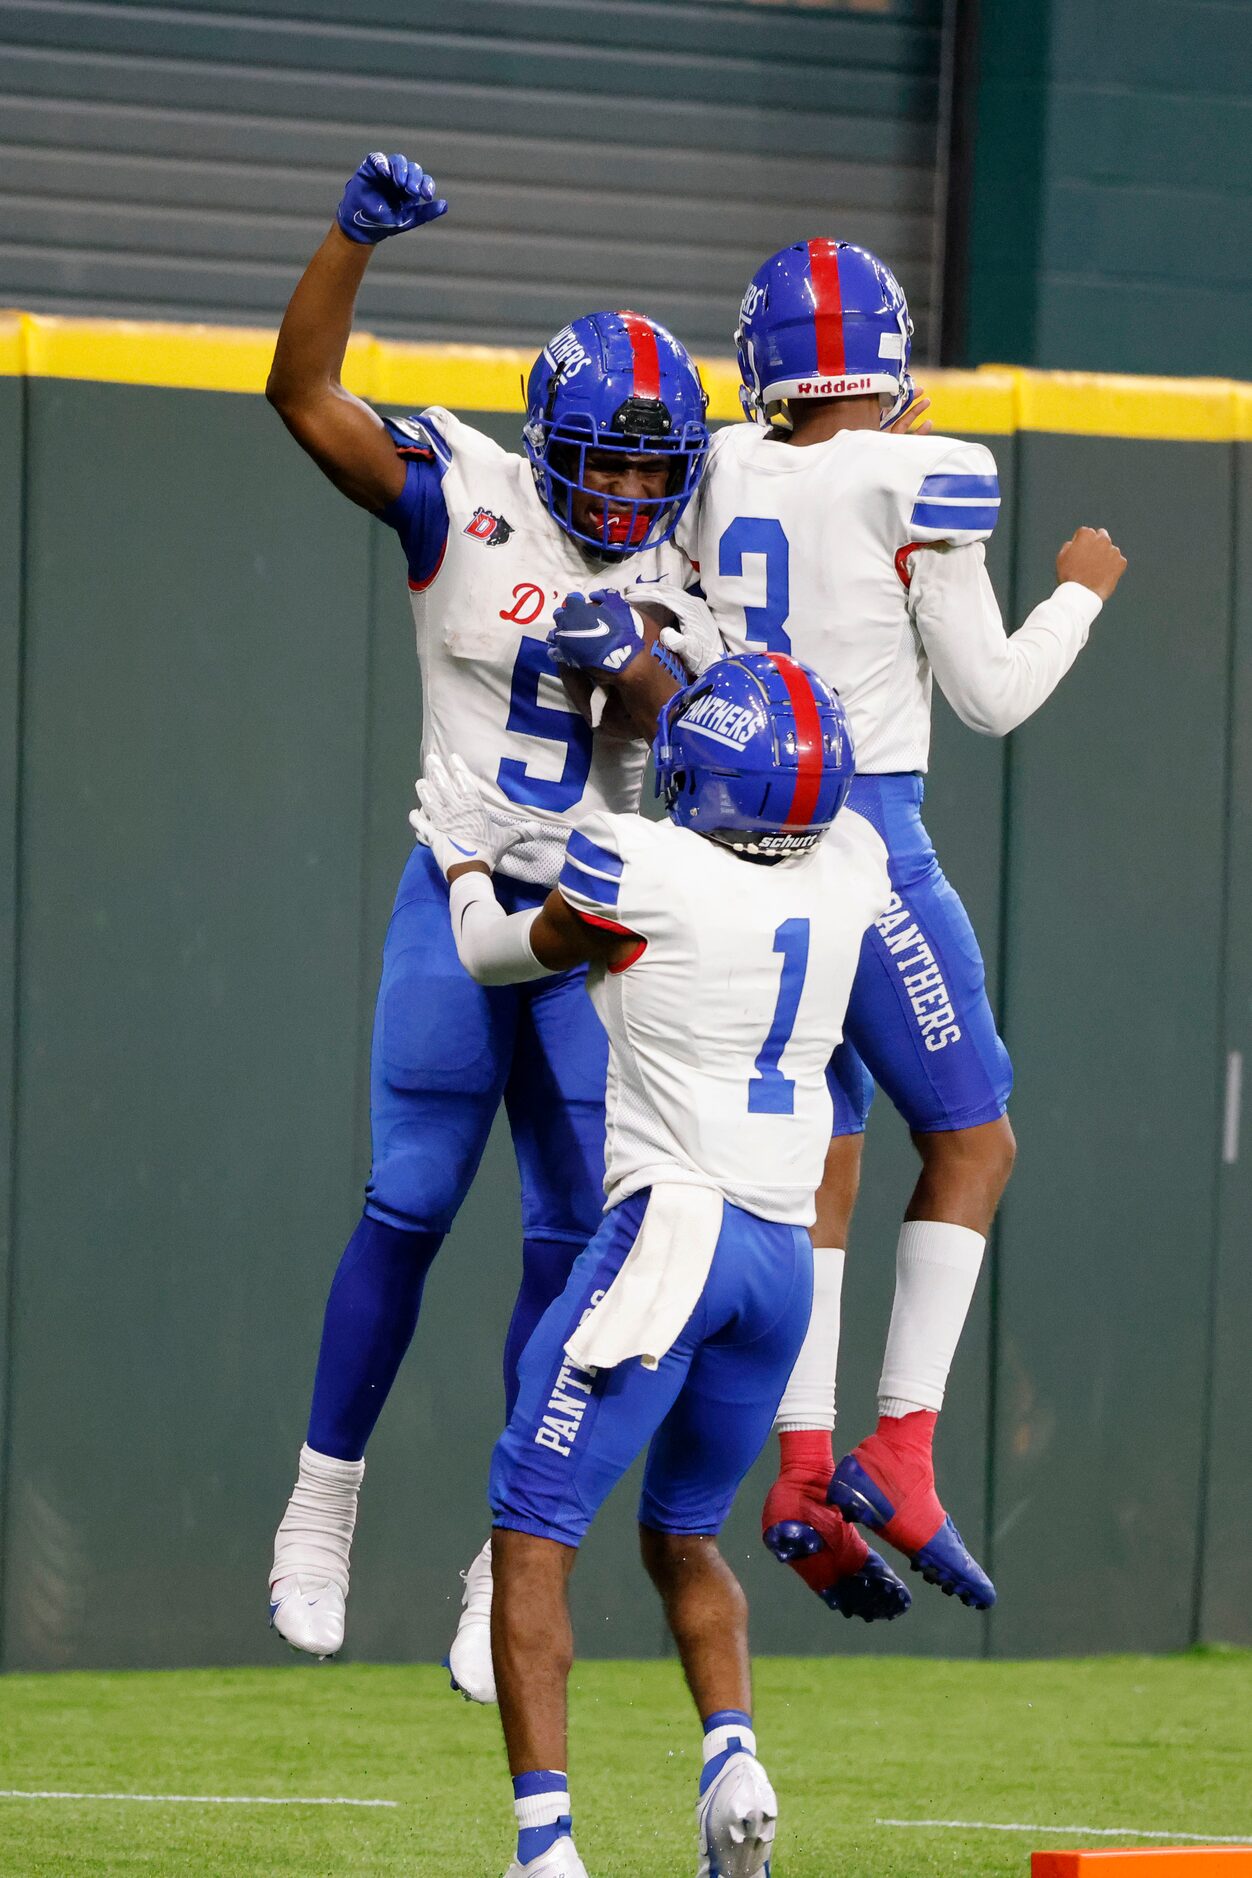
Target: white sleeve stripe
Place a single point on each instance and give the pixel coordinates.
(958, 502)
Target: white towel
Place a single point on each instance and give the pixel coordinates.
(645, 1308)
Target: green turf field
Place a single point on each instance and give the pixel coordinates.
(1157, 1744)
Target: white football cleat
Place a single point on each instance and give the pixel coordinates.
(561, 1862)
(312, 1548)
(469, 1660)
(309, 1617)
(737, 1817)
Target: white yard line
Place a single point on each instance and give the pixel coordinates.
(193, 1799)
(1086, 1832)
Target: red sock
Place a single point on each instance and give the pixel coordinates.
(898, 1457)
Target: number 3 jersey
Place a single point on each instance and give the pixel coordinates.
(487, 564)
(719, 1033)
(863, 557)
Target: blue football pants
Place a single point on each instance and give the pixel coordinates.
(704, 1413)
(919, 1022)
(445, 1053)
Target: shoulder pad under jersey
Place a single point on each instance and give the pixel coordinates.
(467, 444)
(953, 493)
(726, 439)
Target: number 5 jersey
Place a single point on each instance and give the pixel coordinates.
(487, 564)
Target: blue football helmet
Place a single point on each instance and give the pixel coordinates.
(615, 381)
(823, 319)
(756, 754)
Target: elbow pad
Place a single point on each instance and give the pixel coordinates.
(492, 945)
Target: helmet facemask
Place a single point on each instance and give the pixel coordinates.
(576, 409)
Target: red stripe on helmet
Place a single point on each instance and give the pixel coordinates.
(808, 741)
(827, 308)
(647, 360)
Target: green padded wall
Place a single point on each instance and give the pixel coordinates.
(1226, 1603)
(1110, 162)
(220, 728)
(12, 417)
(193, 778)
(1113, 948)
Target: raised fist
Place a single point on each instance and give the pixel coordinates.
(386, 196)
(1090, 558)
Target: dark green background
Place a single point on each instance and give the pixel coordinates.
(1107, 187)
(205, 810)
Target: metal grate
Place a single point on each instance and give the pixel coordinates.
(173, 161)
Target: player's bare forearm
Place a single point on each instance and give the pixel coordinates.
(642, 690)
(560, 938)
(345, 438)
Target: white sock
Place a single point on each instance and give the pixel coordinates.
(719, 1738)
(937, 1268)
(542, 1809)
(314, 1540)
(809, 1398)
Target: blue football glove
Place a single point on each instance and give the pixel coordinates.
(601, 633)
(386, 196)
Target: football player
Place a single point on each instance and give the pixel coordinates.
(818, 533)
(722, 945)
(615, 440)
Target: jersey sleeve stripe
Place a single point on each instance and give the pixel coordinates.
(579, 880)
(955, 516)
(590, 854)
(969, 488)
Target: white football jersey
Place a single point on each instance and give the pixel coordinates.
(721, 1027)
(489, 692)
(806, 550)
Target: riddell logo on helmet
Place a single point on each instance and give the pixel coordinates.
(831, 387)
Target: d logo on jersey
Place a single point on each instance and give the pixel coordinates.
(486, 527)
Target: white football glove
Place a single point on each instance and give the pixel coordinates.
(695, 639)
(454, 822)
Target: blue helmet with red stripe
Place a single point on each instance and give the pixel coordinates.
(619, 382)
(756, 754)
(823, 319)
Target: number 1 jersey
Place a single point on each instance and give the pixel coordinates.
(719, 1033)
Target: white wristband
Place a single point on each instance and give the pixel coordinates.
(493, 946)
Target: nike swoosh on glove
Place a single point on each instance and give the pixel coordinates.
(598, 633)
(386, 196)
